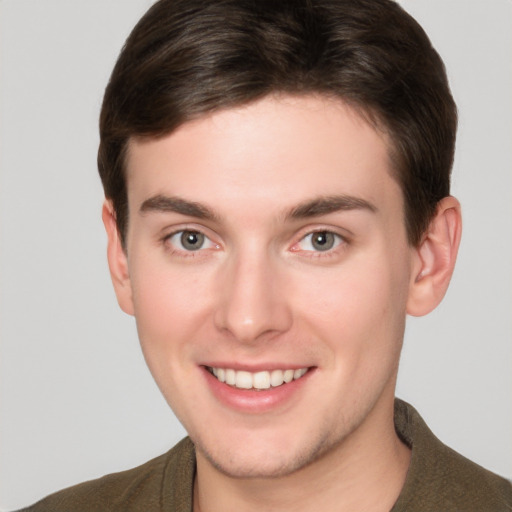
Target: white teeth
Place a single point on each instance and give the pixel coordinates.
(258, 380)
(276, 378)
(297, 374)
(230, 377)
(261, 380)
(243, 380)
(288, 376)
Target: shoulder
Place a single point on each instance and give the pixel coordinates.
(153, 486)
(440, 478)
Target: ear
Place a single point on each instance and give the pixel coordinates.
(117, 259)
(434, 259)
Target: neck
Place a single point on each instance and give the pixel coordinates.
(364, 472)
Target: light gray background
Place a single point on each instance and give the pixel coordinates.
(76, 398)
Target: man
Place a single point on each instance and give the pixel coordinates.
(277, 184)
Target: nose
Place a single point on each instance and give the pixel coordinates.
(253, 302)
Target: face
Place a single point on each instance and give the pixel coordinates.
(268, 269)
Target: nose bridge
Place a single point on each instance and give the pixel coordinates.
(252, 304)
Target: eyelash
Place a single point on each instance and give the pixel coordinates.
(339, 241)
(183, 252)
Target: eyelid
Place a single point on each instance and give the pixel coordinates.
(336, 240)
(342, 240)
(179, 230)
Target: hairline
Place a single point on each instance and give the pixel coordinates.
(366, 113)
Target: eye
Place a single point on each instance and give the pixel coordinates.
(189, 240)
(320, 241)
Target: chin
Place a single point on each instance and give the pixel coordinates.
(260, 466)
(262, 461)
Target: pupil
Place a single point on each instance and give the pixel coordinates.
(192, 240)
(323, 241)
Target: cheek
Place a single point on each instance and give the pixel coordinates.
(170, 310)
(170, 305)
(359, 307)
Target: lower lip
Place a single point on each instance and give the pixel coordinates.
(253, 401)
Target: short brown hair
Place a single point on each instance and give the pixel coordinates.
(187, 58)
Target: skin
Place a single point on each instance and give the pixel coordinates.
(259, 294)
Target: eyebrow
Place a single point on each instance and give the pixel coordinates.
(311, 208)
(160, 203)
(330, 204)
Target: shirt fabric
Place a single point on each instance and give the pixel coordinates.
(438, 479)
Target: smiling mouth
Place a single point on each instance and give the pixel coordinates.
(256, 380)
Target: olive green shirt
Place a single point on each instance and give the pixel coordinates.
(438, 480)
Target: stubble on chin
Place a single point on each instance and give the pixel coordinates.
(277, 464)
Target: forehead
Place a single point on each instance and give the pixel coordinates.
(276, 150)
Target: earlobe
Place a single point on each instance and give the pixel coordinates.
(434, 259)
(117, 260)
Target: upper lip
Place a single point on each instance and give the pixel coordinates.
(253, 368)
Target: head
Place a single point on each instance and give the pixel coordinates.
(276, 175)
(188, 58)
